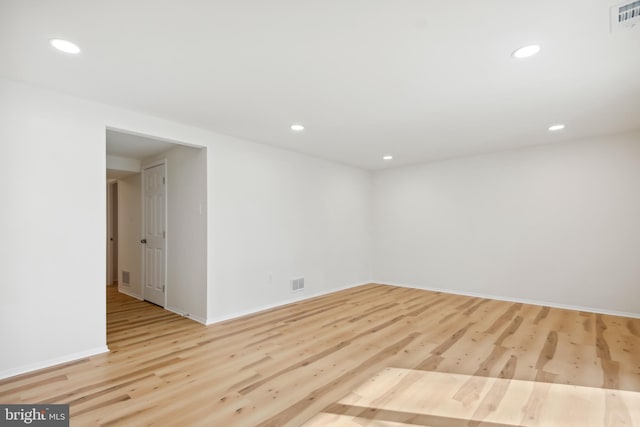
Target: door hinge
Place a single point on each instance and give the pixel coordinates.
(164, 181)
(164, 234)
(162, 288)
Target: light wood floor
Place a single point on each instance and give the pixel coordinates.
(371, 355)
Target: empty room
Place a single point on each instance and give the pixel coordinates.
(320, 213)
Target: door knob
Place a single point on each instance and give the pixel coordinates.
(143, 241)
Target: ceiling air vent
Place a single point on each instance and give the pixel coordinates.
(625, 15)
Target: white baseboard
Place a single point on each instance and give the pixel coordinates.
(301, 297)
(187, 315)
(519, 300)
(131, 294)
(52, 362)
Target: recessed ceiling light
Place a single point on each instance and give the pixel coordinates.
(387, 158)
(64, 46)
(556, 127)
(526, 51)
(297, 128)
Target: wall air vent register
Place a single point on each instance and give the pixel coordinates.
(625, 15)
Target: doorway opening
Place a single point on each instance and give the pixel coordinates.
(112, 232)
(161, 222)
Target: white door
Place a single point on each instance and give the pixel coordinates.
(154, 218)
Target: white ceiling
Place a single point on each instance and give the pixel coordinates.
(418, 79)
(133, 146)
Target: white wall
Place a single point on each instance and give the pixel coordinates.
(555, 223)
(52, 298)
(118, 163)
(279, 215)
(130, 233)
(186, 230)
(52, 228)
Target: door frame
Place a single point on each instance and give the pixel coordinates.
(145, 166)
(112, 272)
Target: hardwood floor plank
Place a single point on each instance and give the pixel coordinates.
(410, 397)
(306, 361)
